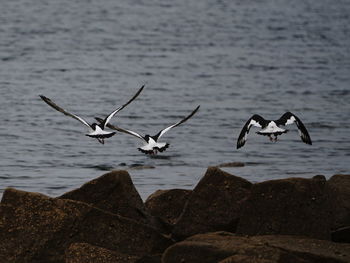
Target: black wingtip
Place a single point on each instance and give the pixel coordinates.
(240, 144)
(308, 141)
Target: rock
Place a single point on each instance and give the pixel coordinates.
(86, 253)
(215, 204)
(228, 248)
(319, 177)
(113, 192)
(293, 206)
(339, 185)
(341, 235)
(167, 204)
(38, 228)
(150, 259)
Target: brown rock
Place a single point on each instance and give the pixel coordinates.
(227, 248)
(294, 206)
(214, 204)
(341, 235)
(113, 192)
(339, 185)
(36, 228)
(167, 204)
(150, 259)
(86, 253)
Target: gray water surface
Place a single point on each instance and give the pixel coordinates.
(234, 58)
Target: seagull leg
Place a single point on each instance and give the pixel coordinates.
(275, 138)
(271, 139)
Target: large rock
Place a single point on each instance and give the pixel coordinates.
(150, 259)
(227, 248)
(36, 228)
(86, 253)
(215, 204)
(113, 192)
(294, 206)
(341, 235)
(167, 204)
(339, 185)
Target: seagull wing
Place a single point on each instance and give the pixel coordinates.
(121, 130)
(289, 118)
(161, 133)
(257, 121)
(58, 108)
(109, 117)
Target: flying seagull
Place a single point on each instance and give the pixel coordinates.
(152, 146)
(270, 128)
(96, 131)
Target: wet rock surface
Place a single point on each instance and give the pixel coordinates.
(86, 253)
(227, 247)
(113, 192)
(294, 220)
(339, 185)
(168, 204)
(293, 206)
(37, 228)
(341, 235)
(215, 204)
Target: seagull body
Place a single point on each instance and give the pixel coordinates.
(151, 145)
(95, 130)
(272, 128)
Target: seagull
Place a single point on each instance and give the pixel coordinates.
(95, 130)
(270, 128)
(151, 146)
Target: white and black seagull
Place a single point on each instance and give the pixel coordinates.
(96, 131)
(152, 146)
(270, 128)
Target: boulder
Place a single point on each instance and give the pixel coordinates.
(86, 253)
(293, 206)
(38, 228)
(228, 248)
(339, 185)
(150, 259)
(167, 204)
(215, 204)
(341, 235)
(113, 192)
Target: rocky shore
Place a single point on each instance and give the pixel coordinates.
(224, 219)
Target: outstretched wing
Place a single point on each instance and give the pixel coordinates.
(290, 118)
(56, 107)
(109, 117)
(161, 133)
(121, 130)
(257, 121)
